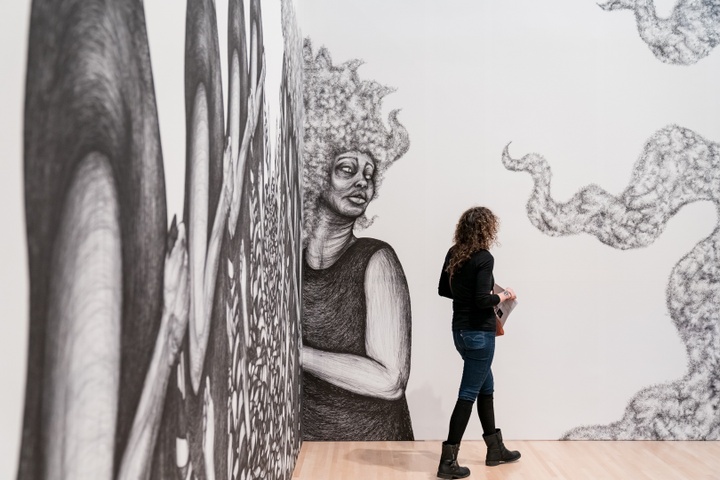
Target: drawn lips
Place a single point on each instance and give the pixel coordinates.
(358, 199)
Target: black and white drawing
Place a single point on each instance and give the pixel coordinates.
(688, 35)
(356, 305)
(677, 167)
(156, 354)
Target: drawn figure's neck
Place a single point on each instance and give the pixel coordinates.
(332, 236)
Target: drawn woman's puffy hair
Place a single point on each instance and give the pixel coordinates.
(343, 113)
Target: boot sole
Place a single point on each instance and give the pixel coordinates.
(451, 476)
(500, 462)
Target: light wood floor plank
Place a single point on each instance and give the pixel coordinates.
(541, 460)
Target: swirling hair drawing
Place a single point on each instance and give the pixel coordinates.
(677, 167)
(688, 35)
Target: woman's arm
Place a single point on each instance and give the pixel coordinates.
(484, 284)
(384, 372)
(444, 289)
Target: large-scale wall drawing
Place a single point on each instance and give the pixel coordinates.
(677, 167)
(193, 351)
(155, 353)
(356, 304)
(690, 33)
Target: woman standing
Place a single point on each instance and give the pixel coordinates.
(467, 278)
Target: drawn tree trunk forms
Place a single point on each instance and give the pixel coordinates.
(180, 446)
(238, 377)
(676, 167)
(204, 155)
(285, 376)
(256, 353)
(234, 273)
(688, 35)
(258, 321)
(96, 220)
(275, 321)
(207, 450)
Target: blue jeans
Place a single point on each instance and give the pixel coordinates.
(477, 349)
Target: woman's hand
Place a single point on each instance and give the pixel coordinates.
(508, 294)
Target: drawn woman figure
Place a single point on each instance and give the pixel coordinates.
(356, 320)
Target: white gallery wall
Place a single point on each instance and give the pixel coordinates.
(576, 84)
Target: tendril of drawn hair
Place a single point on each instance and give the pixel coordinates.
(689, 34)
(343, 113)
(677, 167)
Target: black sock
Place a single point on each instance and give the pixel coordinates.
(486, 412)
(459, 420)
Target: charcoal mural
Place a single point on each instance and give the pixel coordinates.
(356, 305)
(677, 167)
(689, 34)
(157, 353)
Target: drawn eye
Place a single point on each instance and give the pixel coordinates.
(346, 169)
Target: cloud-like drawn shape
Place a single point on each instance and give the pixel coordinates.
(689, 34)
(677, 167)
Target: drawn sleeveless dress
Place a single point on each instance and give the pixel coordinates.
(334, 320)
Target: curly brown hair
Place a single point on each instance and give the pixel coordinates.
(476, 230)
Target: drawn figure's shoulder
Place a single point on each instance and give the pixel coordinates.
(373, 245)
(379, 251)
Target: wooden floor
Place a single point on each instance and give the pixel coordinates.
(541, 460)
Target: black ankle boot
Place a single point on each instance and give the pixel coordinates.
(449, 467)
(497, 453)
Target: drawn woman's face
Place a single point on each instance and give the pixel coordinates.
(352, 184)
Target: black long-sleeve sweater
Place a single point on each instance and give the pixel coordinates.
(471, 292)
